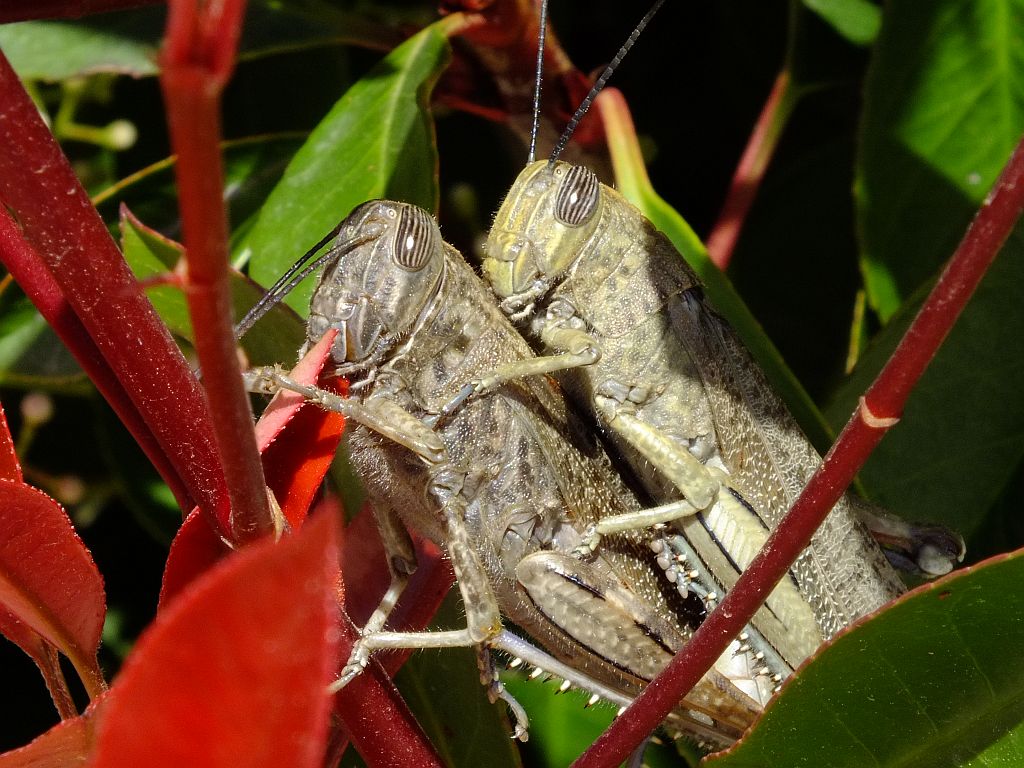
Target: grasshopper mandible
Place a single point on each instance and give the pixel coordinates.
(506, 482)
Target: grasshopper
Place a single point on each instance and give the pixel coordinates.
(507, 482)
(457, 437)
(612, 307)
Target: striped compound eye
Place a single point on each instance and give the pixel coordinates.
(577, 196)
(416, 238)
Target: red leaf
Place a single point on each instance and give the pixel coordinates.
(67, 743)
(298, 441)
(45, 657)
(363, 566)
(22, 635)
(10, 467)
(295, 466)
(195, 549)
(72, 249)
(27, 267)
(284, 405)
(235, 672)
(48, 579)
(295, 463)
(370, 707)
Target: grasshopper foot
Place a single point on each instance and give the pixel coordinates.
(357, 662)
(591, 540)
(496, 690)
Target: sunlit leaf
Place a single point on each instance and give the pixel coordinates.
(930, 682)
(377, 142)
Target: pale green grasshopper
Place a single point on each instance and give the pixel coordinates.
(614, 309)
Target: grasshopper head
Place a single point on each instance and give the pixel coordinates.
(375, 293)
(541, 228)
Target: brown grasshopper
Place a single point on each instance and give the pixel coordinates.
(507, 482)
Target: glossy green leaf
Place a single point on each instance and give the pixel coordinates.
(937, 129)
(85, 49)
(377, 141)
(856, 20)
(938, 126)
(961, 437)
(934, 681)
(152, 257)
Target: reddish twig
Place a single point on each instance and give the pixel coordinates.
(30, 272)
(751, 169)
(40, 189)
(376, 718)
(379, 722)
(879, 410)
(23, 10)
(196, 62)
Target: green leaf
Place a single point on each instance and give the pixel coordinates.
(934, 681)
(31, 354)
(127, 42)
(152, 257)
(562, 726)
(856, 20)
(57, 50)
(961, 436)
(938, 127)
(376, 142)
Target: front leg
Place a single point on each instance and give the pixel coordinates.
(562, 331)
(380, 414)
(483, 619)
(386, 417)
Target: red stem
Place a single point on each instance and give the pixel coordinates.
(379, 722)
(23, 10)
(196, 63)
(751, 169)
(377, 719)
(383, 730)
(880, 410)
(30, 272)
(73, 254)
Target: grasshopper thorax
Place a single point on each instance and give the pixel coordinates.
(375, 295)
(541, 228)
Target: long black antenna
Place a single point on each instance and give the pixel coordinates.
(295, 275)
(600, 83)
(538, 78)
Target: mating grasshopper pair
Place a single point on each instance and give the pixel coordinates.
(460, 438)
